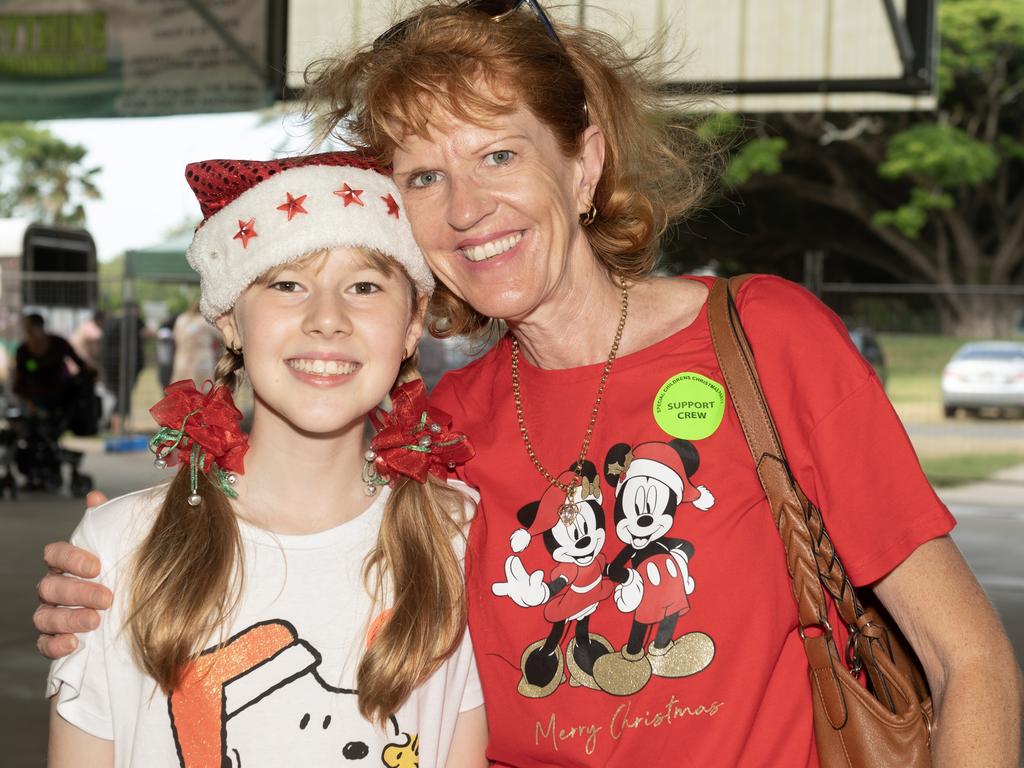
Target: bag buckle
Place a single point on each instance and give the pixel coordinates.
(821, 629)
(853, 661)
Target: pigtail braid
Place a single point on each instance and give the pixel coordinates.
(227, 369)
(186, 578)
(415, 573)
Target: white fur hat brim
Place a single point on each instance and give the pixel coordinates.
(259, 230)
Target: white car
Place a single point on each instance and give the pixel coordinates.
(984, 374)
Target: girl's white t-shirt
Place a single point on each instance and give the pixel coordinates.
(280, 691)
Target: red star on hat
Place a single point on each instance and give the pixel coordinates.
(246, 231)
(349, 195)
(392, 205)
(293, 205)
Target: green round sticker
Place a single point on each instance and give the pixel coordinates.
(689, 406)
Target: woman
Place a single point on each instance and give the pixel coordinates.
(628, 595)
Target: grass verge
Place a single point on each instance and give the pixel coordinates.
(951, 470)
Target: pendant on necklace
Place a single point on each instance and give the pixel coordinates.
(568, 511)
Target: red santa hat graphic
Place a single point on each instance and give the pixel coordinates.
(660, 462)
(551, 503)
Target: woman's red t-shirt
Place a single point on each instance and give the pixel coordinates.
(749, 703)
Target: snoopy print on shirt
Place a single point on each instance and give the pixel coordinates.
(259, 701)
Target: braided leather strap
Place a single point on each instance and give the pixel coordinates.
(814, 566)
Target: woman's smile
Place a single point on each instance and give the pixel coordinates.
(485, 248)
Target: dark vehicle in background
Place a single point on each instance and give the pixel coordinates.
(984, 375)
(866, 342)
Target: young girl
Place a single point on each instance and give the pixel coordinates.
(309, 611)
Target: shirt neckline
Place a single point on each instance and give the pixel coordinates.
(352, 533)
(695, 329)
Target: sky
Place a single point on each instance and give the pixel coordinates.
(144, 194)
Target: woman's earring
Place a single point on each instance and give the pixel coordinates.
(587, 218)
(237, 351)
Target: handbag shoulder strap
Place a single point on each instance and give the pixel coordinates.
(737, 362)
(785, 499)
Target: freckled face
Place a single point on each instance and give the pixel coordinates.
(496, 210)
(323, 340)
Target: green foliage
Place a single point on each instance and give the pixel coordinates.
(42, 177)
(757, 156)
(718, 126)
(976, 35)
(1011, 148)
(911, 217)
(939, 155)
(177, 297)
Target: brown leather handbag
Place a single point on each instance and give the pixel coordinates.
(887, 722)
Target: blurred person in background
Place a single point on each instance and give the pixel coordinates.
(123, 361)
(42, 375)
(87, 340)
(196, 347)
(165, 350)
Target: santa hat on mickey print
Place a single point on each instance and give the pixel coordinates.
(259, 215)
(550, 504)
(661, 462)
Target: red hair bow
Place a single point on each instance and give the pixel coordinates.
(204, 423)
(415, 439)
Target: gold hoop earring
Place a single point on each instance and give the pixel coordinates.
(587, 218)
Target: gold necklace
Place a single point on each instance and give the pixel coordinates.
(568, 511)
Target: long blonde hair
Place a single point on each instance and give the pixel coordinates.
(415, 573)
(187, 577)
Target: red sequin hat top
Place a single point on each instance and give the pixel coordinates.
(258, 215)
(216, 183)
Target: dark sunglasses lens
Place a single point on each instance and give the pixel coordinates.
(492, 7)
(391, 34)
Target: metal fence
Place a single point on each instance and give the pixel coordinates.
(67, 300)
(125, 356)
(138, 361)
(971, 311)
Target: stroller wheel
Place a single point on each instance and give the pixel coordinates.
(81, 484)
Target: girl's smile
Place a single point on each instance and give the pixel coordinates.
(323, 339)
(322, 369)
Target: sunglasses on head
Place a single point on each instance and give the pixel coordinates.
(498, 10)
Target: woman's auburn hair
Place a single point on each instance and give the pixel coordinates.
(459, 62)
(187, 577)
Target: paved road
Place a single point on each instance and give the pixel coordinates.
(990, 533)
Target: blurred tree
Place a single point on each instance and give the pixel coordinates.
(917, 197)
(42, 177)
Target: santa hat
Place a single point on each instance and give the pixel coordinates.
(260, 215)
(549, 505)
(661, 462)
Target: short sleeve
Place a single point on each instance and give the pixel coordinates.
(473, 693)
(844, 441)
(79, 680)
(880, 506)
